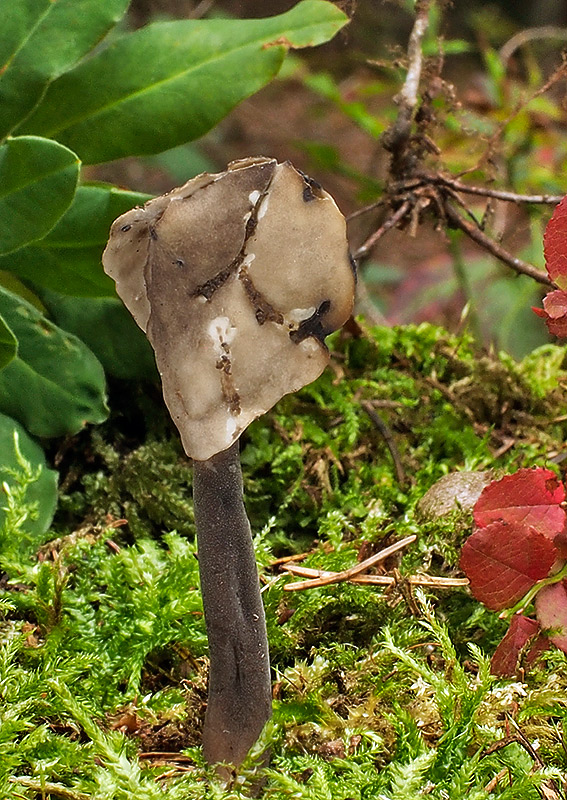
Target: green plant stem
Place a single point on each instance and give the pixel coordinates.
(530, 595)
(463, 282)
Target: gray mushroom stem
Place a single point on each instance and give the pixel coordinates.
(239, 701)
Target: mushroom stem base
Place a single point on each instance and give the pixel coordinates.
(239, 702)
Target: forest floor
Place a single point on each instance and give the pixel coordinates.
(378, 692)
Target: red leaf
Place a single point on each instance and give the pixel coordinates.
(521, 637)
(554, 312)
(551, 610)
(560, 542)
(529, 496)
(503, 561)
(555, 303)
(555, 245)
(557, 327)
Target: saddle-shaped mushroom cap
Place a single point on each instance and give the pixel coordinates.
(236, 278)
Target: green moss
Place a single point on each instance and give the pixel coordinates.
(107, 625)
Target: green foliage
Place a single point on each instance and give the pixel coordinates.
(107, 328)
(8, 344)
(26, 482)
(30, 496)
(186, 74)
(36, 47)
(67, 260)
(55, 384)
(38, 180)
(371, 702)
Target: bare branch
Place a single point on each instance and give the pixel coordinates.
(391, 222)
(408, 95)
(397, 137)
(528, 35)
(497, 194)
(319, 575)
(359, 212)
(434, 581)
(324, 578)
(474, 233)
(412, 189)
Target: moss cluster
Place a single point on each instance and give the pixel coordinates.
(102, 647)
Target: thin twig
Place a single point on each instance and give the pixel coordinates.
(285, 559)
(408, 95)
(377, 580)
(359, 212)
(165, 756)
(497, 194)
(396, 139)
(474, 233)
(550, 786)
(528, 35)
(489, 151)
(384, 228)
(324, 578)
(388, 438)
(435, 581)
(493, 783)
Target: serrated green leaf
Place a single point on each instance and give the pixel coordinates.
(68, 259)
(43, 491)
(38, 179)
(55, 385)
(170, 82)
(8, 344)
(40, 41)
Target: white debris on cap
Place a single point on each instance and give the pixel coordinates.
(236, 278)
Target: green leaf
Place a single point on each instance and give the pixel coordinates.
(8, 344)
(68, 259)
(41, 40)
(54, 385)
(170, 82)
(325, 85)
(38, 179)
(43, 491)
(104, 325)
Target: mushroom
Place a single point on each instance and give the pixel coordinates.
(236, 278)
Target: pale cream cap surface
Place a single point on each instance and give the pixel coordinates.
(236, 278)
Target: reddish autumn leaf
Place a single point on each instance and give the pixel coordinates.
(560, 542)
(555, 245)
(522, 642)
(554, 312)
(504, 560)
(557, 327)
(551, 609)
(529, 496)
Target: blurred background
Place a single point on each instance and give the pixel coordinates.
(494, 120)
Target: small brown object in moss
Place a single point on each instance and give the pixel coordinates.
(457, 491)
